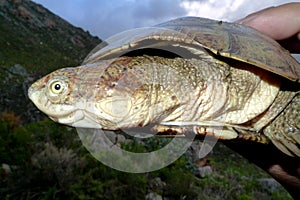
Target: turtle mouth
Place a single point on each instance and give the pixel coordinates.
(31, 93)
(38, 99)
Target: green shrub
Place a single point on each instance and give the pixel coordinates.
(48, 161)
(101, 182)
(46, 131)
(14, 140)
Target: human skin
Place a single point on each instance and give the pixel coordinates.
(282, 23)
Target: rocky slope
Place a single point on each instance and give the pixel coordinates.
(34, 42)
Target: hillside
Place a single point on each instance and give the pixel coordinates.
(34, 42)
(39, 40)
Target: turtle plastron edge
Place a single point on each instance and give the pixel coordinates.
(222, 133)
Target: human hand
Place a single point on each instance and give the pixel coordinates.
(281, 23)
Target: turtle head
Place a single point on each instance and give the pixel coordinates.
(51, 94)
(108, 94)
(98, 95)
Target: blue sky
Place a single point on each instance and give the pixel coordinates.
(104, 18)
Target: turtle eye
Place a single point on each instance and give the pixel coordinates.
(57, 87)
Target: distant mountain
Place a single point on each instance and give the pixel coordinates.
(33, 42)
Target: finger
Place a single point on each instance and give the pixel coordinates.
(279, 22)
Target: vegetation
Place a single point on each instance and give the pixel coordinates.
(47, 161)
(38, 40)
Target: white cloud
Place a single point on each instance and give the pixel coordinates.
(227, 10)
(214, 9)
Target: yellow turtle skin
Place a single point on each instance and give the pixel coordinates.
(188, 75)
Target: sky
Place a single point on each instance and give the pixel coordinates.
(104, 18)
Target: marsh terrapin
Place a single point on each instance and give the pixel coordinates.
(185, 75)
